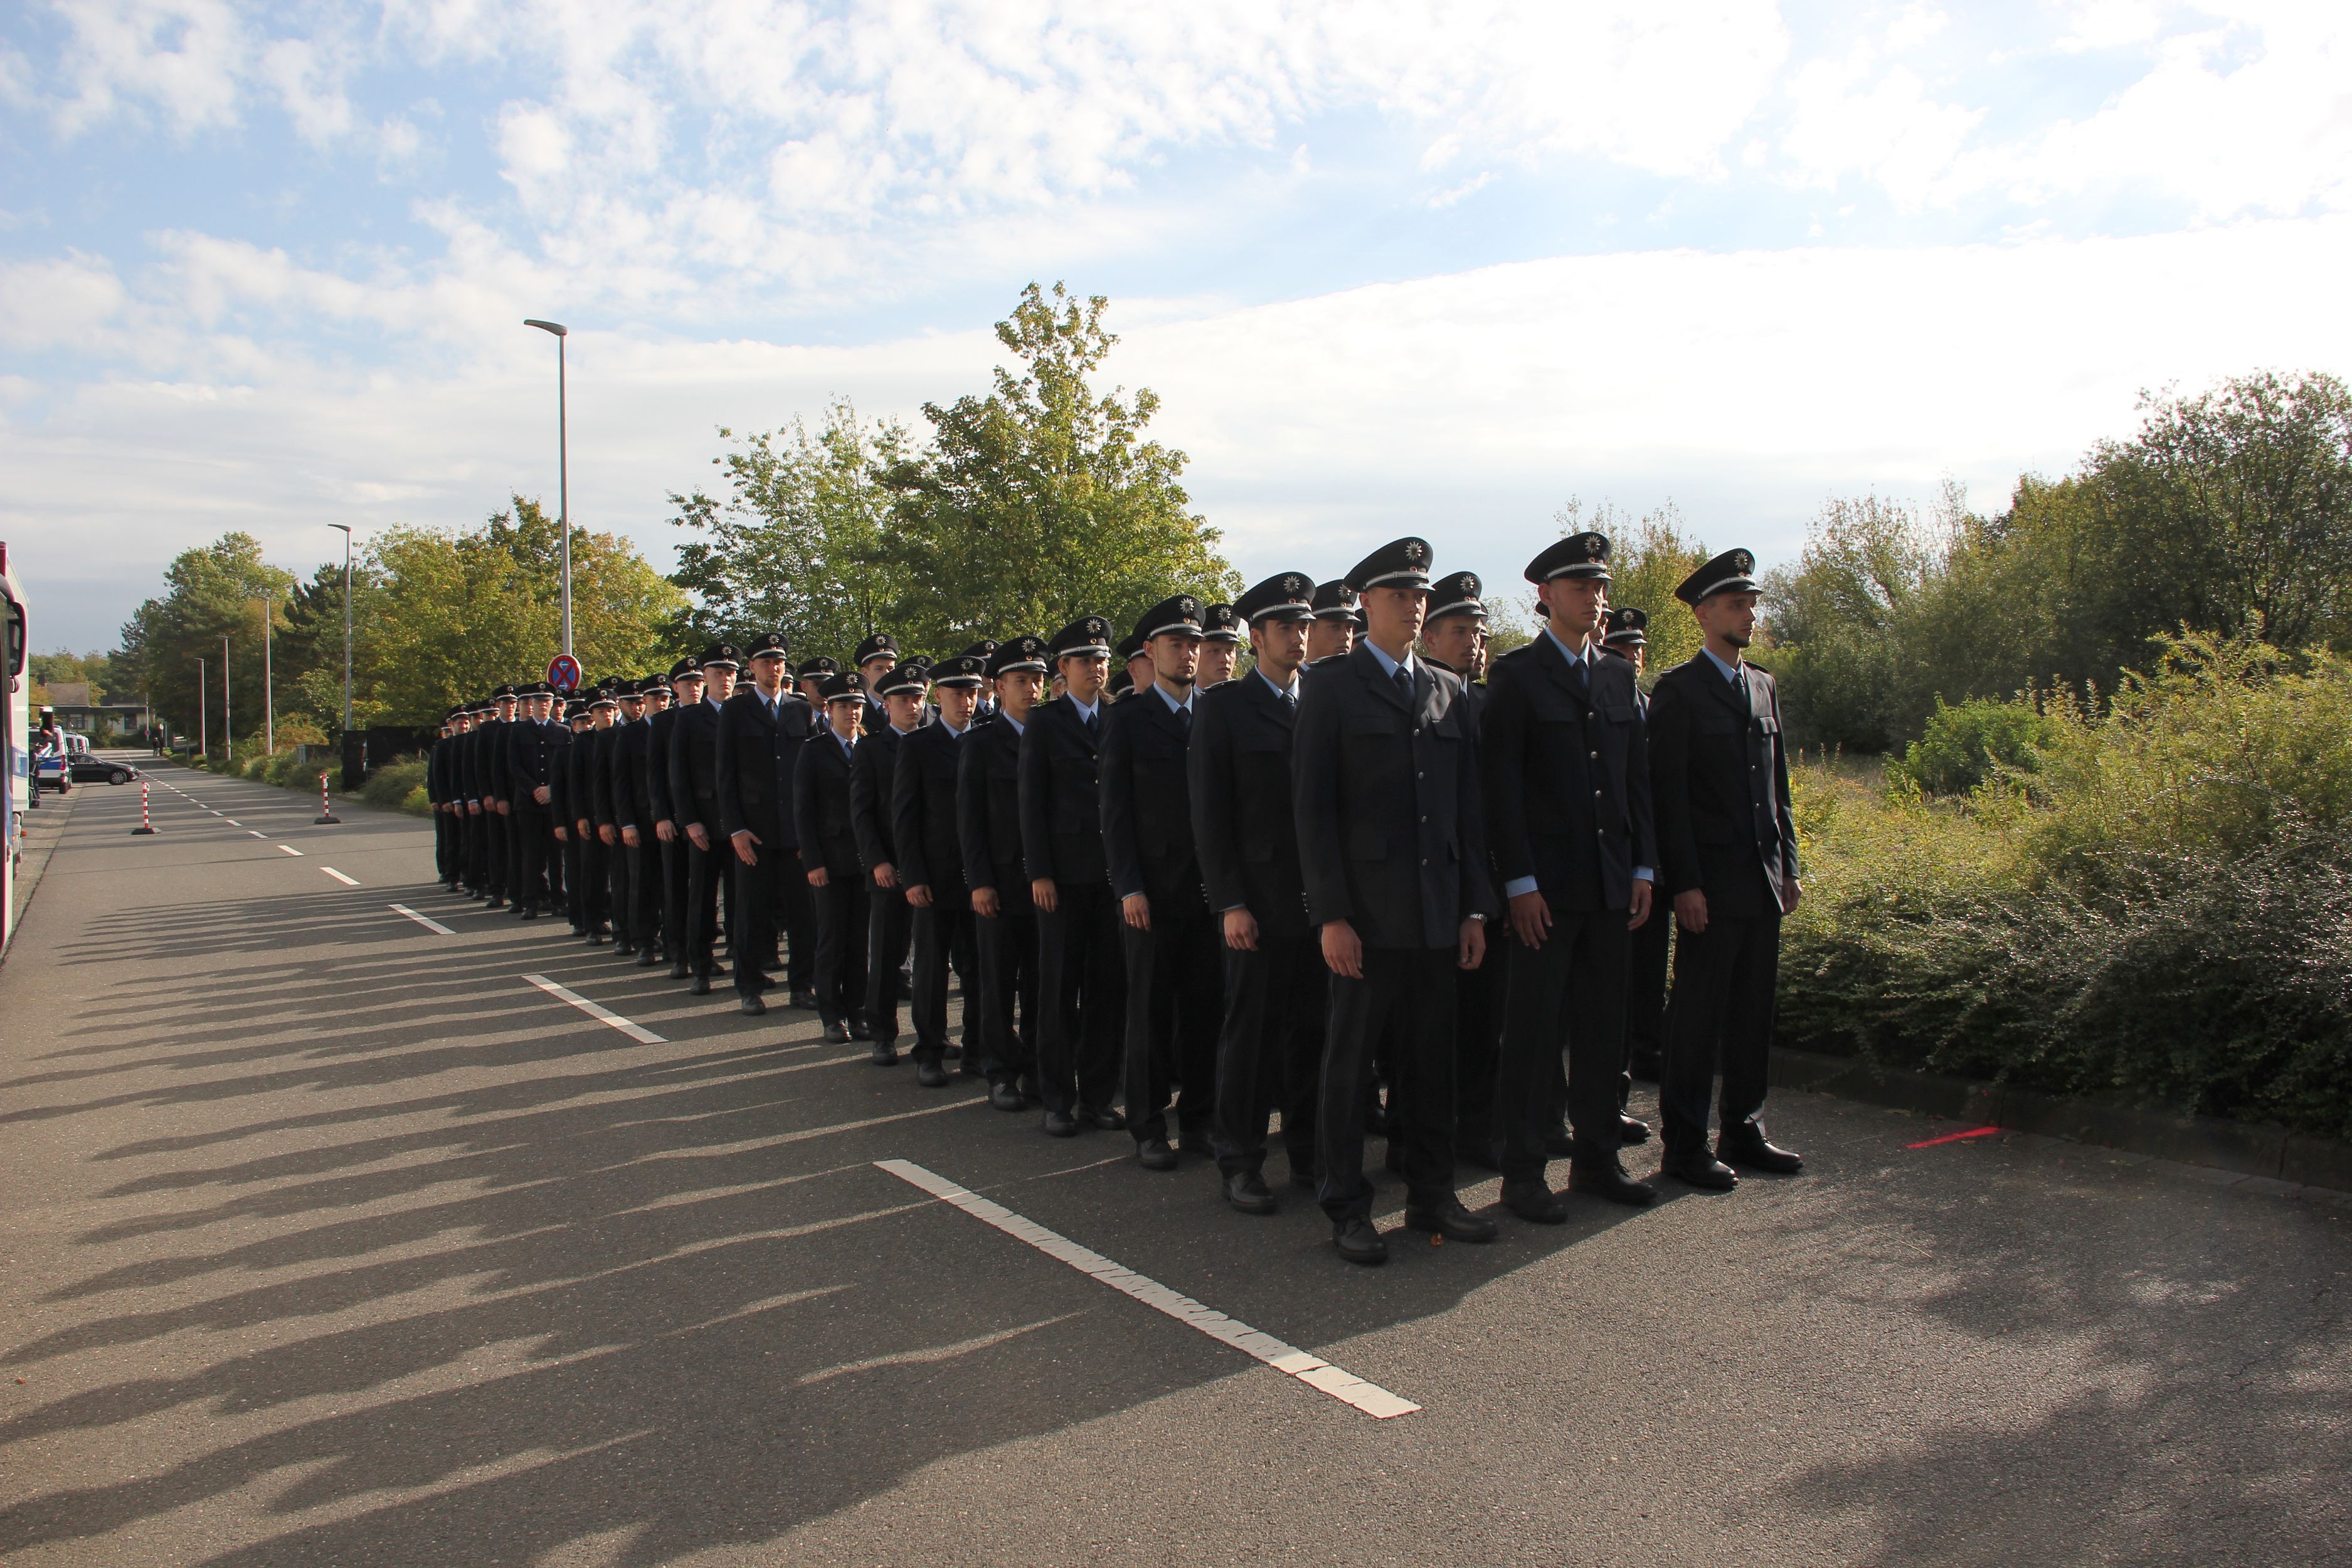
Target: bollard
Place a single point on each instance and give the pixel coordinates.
(325, 807)
(145, 826)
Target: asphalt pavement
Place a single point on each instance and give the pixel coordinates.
(332, 1237)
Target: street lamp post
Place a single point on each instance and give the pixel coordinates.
(203, 730)
(347, 623)
(269, 686)
(563, 470)
(228, 707)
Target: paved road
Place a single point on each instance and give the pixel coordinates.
(329, 1239)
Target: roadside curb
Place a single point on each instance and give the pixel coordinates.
(2263, 1149)
(42, 833)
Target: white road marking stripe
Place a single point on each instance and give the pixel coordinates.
(256, 832)
(1309, 1369)
(233, 822)
(643, 1036)
(427, 922)
(289, 848)
(337, 876)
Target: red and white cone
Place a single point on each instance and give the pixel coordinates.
(326, 807)
(145, 824)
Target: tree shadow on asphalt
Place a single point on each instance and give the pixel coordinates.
(688, 1304)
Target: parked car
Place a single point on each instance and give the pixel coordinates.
(89, 767)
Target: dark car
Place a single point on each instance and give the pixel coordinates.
(91, 768)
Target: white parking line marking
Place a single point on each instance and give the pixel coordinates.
(287, 847)
(605, 1016)
(1309, 1369)
(337, 876)
(256, 832)
(427, 922)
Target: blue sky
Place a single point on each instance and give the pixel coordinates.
(1394, 267)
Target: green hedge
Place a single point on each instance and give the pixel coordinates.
(2159, 911)
(397, 787)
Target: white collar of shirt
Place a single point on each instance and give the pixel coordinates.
(712, 699)
(910, 730)
(952, 730)
(1287, 692)
(1560, 643)
(1005, 717)
(1731, 671)
(1389, 667)
(1085, 710)
(1173, 706)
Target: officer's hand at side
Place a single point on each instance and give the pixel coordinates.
(542, 795)
(1641, 910)
(1530, 917)
(983, 903)
(604, 831)
(698, 835)
(666, 830)
(1474, 944)
(1789, 894)
(506, 808)
(1241, 931)
(818, 877)
(886, 875)
(1690, 908)
(1043, 893)
(1138, 910)
(919, 895)
(563, 836)
(629, 836)
(743, 841)
(1343, 950)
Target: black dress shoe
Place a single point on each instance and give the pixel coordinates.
(1698, 1168)
(701, 986)
(1535, 1203)
(1007, 1096)
(1154, 1154)
(1610, 1180)
(1306, 1180)
(596, 935)
(952, 1052)
(857, 1029)
(530, 913)
(1061, 1125)
(1452, 1222)
(1558, 1142)
(1247, 1191)
(1358, 1242)
(884, 1054)
(495, 903)
(752, 1005)
(623, 949)
(679, 971)
(804, 999)
(1753, 1153)
(1103, 1117)
(647, 958)
(973, 1067)
(834, 1035)
(1633, 1129)
(930, 1074)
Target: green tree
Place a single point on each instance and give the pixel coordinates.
(1649, 556)
(1042, 501)
(796, 546)
(1843, 620)
(210, 592)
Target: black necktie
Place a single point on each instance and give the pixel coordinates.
(1094, 728)
(1185, 719)
(1583, 676)
(1405, 684)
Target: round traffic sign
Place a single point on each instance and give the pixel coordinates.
(563, 673)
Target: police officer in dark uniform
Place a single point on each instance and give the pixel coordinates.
(498, 803)
(480, 804)
(564, 809)
(1569, 824)
(873, 777)
(1155, 873)
(1220, 646)
(1269, 1046)
(877, 656)
(1646, 975)
(836, 880)
(1081, 979)
(757, 730)
(1728, 844)
(633, 815)
(983, 650)
(1135, 661)
(694, 791)
(988, 822)
(811, 677)
(1452, 638)
(930, 860)
(532, 754)
(437, 791)
(1391, 838)
(669, 816)
(1333, 633)
(592, 814)
(617, 823)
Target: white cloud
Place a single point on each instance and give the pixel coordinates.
(180, 57)
(1890, 131)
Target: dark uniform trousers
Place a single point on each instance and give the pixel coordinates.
(1392, 835)
(674, 888)
(1550, 1000)
(705, 871)
(477, 848)
(1007, 945)
(1477, 1048)
(890, 929)
(1081, 974)
(842, 923)
(533, 830)
(923, 831)
(759, 892)
(1176, 958)
(1270, 1050)
(1720, 779)
(943, 939)
(1645, 991)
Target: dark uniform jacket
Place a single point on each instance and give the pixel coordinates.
(1567, 778)
(633, 805)
(531, 753)
(580, 801)
(1392, 831)
(693, 766)
(661, 804)
(873, 772)
(1719, 783)
(1243, 827)
(436, 769)
(755, 755)
(601, 746)
(494, 760)
(1061, 796)
(1147, 801)
(988, 804)
(559, 775)
(821, 806)
(923, 812)
(470, 785)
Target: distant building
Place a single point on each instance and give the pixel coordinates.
(77, 711)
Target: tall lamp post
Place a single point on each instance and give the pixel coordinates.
(269, 686)
(347, 623)
(203, 730)
(228, 707)
(563, 471)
